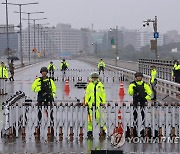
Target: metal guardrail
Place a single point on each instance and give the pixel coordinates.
(68, 120)
(164, 68)
(165, 87)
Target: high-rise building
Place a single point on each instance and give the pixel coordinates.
(61, 40)
(13, 40)
(171, 36)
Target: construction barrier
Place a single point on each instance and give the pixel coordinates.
(3, 86)
(68, 120)
(82, 75)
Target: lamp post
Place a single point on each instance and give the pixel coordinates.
(95, 45)
(34, 21)
(20, 13)
(156, 34)
(29, 37)
(7, 30)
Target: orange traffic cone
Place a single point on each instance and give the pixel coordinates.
(121, 98)
(119, 129)
(121, 89)
(120, 125)
(66, 87)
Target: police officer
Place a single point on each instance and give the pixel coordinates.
(64, 66)
(3, 71)
(153, 81)
(141, 93)
(51, 69)
(101, 66)
(176, 71)
(11, 70)
(45, 87)
(3, 78)
(95, 95)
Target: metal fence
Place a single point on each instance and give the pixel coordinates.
(164, 68)
(83, 75)
(68, 120)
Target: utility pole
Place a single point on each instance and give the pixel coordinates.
(116, 52)
(20, 13)
(7, 30)
(156, 34)
(29, 37)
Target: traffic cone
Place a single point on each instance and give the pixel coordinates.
(120, 125)
(121, 89)
(119, 129)
(121, 98)
(66, 87)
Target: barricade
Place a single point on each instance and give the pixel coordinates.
(3, 87)
(77, 75)
(69, 120)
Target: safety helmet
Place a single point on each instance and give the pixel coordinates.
(44, 69)
(101, 58)
(153, 66)
(138, 74)
(51, 62)
(176, 61)
(94, 75)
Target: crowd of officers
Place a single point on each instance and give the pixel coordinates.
(95, 94)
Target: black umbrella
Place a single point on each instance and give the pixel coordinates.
(13, 58)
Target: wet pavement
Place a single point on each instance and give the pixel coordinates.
(24, 78)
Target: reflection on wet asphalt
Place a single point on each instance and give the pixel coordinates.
(23, 80)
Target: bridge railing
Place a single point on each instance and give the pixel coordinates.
(68, 120)
(164, 68)
(164, 86)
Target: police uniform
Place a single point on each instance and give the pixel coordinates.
(3, 78)
(51, 69)
(141, 93)
(95, 95)
(64, 66)
(176, 72)
(153, 82)
(45, 88)
(101, 66)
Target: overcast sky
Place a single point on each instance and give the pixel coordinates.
(103, 14)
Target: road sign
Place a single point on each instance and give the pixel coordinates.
(156, 35)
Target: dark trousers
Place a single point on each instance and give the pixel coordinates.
(177, 80)
(153, 86)
(135, 114)
(101, 68)
(40, 104)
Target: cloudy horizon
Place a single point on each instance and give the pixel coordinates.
(103, 14)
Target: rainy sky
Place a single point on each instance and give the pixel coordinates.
(103, 14)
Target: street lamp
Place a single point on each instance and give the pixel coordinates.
(7, 29)
(156, 34)
(95, 45)
(20, 6)
(41, 33)
(34, 20)
(29, 13)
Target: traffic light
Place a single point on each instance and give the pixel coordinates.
(112, 41)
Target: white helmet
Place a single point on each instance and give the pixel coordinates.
(94, 75)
